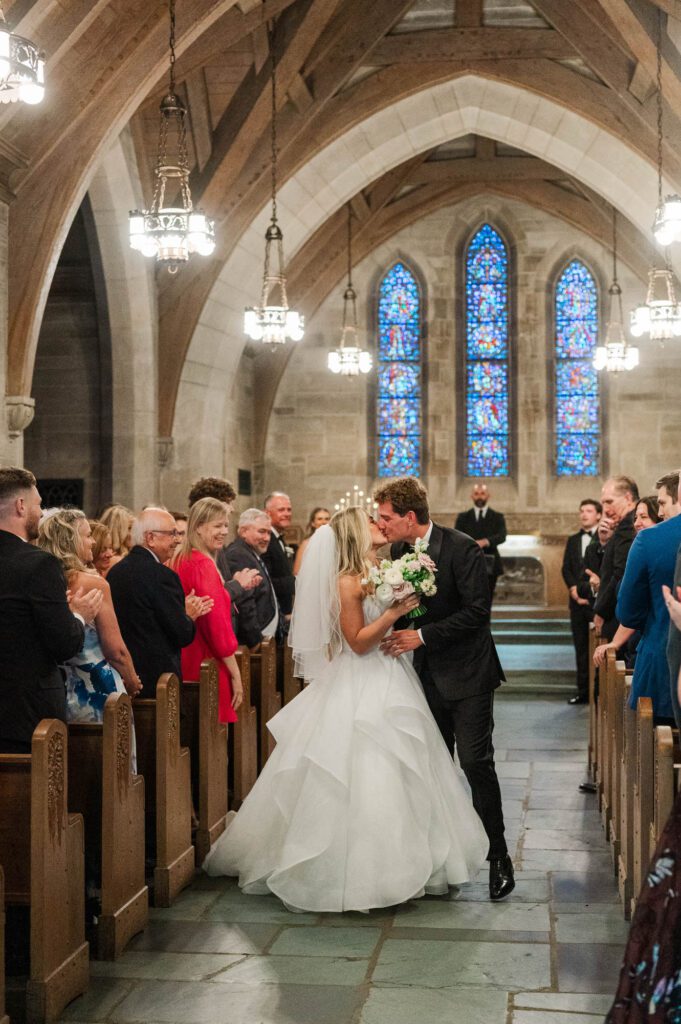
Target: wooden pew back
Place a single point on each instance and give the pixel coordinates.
(110, 797)
(663, 799)
(618, 671)
(627, 774)
(4, 1019)
(644, 790)
(212, 755)
(266, 698)
(41, 848)
(291, 685)
(166, 768)
(244, 736)
(594, 640)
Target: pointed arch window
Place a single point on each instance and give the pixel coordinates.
(398, 406)
(577, 399)
(487, 355)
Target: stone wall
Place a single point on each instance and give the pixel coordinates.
(319, 431)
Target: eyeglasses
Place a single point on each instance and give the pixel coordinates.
(167, 533)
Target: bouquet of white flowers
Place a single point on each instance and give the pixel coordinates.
(413, 573)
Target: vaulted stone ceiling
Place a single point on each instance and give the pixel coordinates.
(341, 63)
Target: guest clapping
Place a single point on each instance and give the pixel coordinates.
(103, 665)
(259, 615)
(195, 564)
(277, 558)
(318, 517)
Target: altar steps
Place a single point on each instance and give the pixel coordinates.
(535, 650)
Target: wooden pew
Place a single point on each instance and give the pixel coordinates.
(265, 696)
(4, 1019)
(103, 788)
(643, 791)
(244, 737)
(207, 741)
(663, 772)
(291, 684)
(165, 767)
(41, 850)
(606, 706)
(617, 670)
(627, 790)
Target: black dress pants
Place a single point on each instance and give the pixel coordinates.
(467, 725)
(580, 617)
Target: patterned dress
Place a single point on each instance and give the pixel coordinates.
(649, 990)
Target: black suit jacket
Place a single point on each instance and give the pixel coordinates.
(458, 652)
(149, 603)
(573, 563)
(612, 571)
(281, 574)
(491, 527)
(258, 606)
(37, 631)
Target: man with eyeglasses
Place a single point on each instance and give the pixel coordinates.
(155, 618)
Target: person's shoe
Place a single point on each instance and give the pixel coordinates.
(578, 699)
(588, 787)
(501, 879)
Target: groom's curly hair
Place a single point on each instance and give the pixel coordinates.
(406, 494)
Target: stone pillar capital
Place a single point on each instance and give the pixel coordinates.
(20, 411)
(164, 451)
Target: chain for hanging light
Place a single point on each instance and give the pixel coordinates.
(171, 233)
(667, 227)
(615, 354)
(22, 67)
(272, 322)
(349, 359)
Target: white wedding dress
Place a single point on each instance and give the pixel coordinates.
(360, 805)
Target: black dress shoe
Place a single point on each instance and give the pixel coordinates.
(587, 787)
(578, 699)
(501, 880)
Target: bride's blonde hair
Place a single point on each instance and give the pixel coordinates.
(353, 538)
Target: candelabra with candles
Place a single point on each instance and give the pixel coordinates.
(356, 498)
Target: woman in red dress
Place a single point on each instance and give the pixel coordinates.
(195, 564)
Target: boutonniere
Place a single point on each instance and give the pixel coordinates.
(289, 551)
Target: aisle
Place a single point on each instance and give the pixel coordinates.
(548, 955)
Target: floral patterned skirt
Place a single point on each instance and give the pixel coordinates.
(649, 990)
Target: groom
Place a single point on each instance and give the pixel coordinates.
(454, 654)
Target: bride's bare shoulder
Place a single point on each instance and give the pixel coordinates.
(350, 587)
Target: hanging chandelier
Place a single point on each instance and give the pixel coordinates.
(171, 234)
(272, 322)
(349, 359)
(356, 498)
(615, 354)
(22, 67)
(667, 227)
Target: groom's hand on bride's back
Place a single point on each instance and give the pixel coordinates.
(400, 642)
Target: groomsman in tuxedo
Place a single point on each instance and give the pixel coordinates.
(278, 558)
(580, 607)
(487, 528)
(259, 614)
(619, 497)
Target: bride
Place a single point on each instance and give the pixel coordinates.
(360, 805)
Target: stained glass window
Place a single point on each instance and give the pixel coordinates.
(577, 421)
(399, 374)
(487, 370)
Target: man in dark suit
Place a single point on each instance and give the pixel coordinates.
(674, 637)
(454, 654)
(580, 607)
(488, 530)
(259, 614)
(619, 496)
(277, 558)
(155, 618)
(40, 625)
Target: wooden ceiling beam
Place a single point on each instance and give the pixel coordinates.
(500, 168)
(199, 116)
(494, 43)
(468, 13)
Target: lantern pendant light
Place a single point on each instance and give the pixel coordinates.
(349, 359)
(615, 354)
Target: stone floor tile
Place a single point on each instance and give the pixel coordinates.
(326, 942)
(450, 965)
(206, 1003)
(515, 770)
(173, 966)
(295, 970)
(589, 840)
(606, 911)
(98, 1002)
(428, 1006)
(547, 800)
(190, 905)
(575, 1002)
(506, 916)
(553, 1017)
(567, 820)
(256, 909)
(587, 887)
(572, 754)
(589, 967)
(592, 928)
(574, 767)
(204, 937)
(567, 860)
(526, 891)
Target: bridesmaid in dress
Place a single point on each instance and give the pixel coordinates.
(195, 563)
